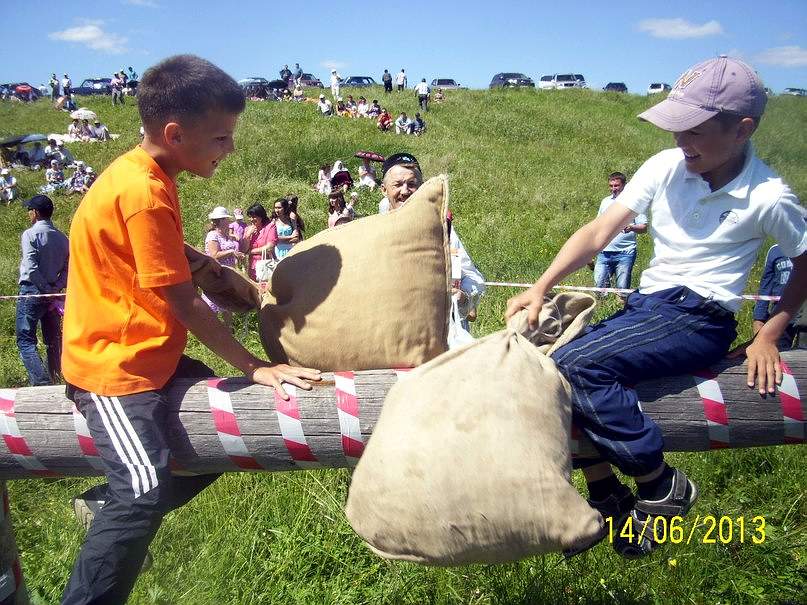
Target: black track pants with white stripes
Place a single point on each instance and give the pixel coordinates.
(129, 433)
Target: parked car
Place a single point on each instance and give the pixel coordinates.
(308, 80)
(657, 87)
(615, 87)
(359, 81)
(563, 81)
(253, 80)
(445, 83)
(511, 80)
(94, 86)
(796, 92)
(546, 82)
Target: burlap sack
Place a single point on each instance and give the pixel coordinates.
(367, 295)
(225, 286)
(469, 461)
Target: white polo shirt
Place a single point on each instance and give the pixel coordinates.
(422, 88)
(705, 240)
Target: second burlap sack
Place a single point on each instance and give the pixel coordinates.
(469, 461)
(370, 294)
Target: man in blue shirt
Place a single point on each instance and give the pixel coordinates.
(775, 276)
(619, 256)
(43, 270)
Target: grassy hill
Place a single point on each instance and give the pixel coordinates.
(527, 168)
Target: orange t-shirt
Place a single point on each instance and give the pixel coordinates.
(126, 242)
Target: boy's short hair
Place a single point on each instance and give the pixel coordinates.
(184, 88)
(727, 120)
(618, 175)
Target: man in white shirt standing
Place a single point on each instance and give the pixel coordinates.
(336, 81)
(67, 86)
(422, 91)
(400, 80)
(712, 204)
(619, 256)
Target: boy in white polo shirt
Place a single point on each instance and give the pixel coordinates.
(712, 204)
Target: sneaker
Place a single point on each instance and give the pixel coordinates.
(683, 495)
(615, 507)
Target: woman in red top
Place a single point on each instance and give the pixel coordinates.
(259, 236)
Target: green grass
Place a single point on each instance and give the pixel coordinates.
(527, 168)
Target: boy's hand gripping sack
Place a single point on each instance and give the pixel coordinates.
(469, 461)
(371, 294)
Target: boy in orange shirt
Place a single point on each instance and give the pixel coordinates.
(130, 304)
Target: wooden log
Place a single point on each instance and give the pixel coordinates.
(12, 587)
(233, 425)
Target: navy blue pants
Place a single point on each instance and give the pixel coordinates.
(129, 433)
(666, 333)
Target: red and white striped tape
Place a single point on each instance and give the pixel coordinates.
(15, 442)
(792, 408)
(291, 428)
(347, 407)
(85, 440)
(508, 284)
(714, 408)
(221, 408)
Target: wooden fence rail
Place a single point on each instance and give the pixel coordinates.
(229, 424)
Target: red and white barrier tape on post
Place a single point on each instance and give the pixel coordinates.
(714, 408)
(15, 442)
(221, 408)
(754, 297)
(347, 406)
(792, 408)
(291, 428)
(85, 440)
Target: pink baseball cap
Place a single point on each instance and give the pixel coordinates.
(714, 86)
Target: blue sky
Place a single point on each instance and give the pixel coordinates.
(629, 41)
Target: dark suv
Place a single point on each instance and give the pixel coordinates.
(511, 80)
(615, 87)
(94, 86)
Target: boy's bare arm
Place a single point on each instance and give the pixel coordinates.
(587, 241)
(194, 313)
(764, 366)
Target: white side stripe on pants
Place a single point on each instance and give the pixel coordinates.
(144, 459)
(127, 444)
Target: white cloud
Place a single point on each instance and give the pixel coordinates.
(146, 3)
(92, 35)
(784, 56)
(679, 28)
(331, 64)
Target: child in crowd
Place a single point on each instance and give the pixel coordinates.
(54, 178)
(374, 110)
(323, 184)
(439, 97)
(775, 276)
(8, 186)
(361, 107)
(325, 106)
(418, 125)
(384, 122)
(298, 94)
(712, 203)
(130, 305)
(295, 214)
(236, 228)
(338, 211)
(403, 125)
(367, 174)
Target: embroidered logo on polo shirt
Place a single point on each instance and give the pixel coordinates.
(730, 216)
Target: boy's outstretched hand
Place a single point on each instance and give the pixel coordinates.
(532, 300)
(274, 375)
